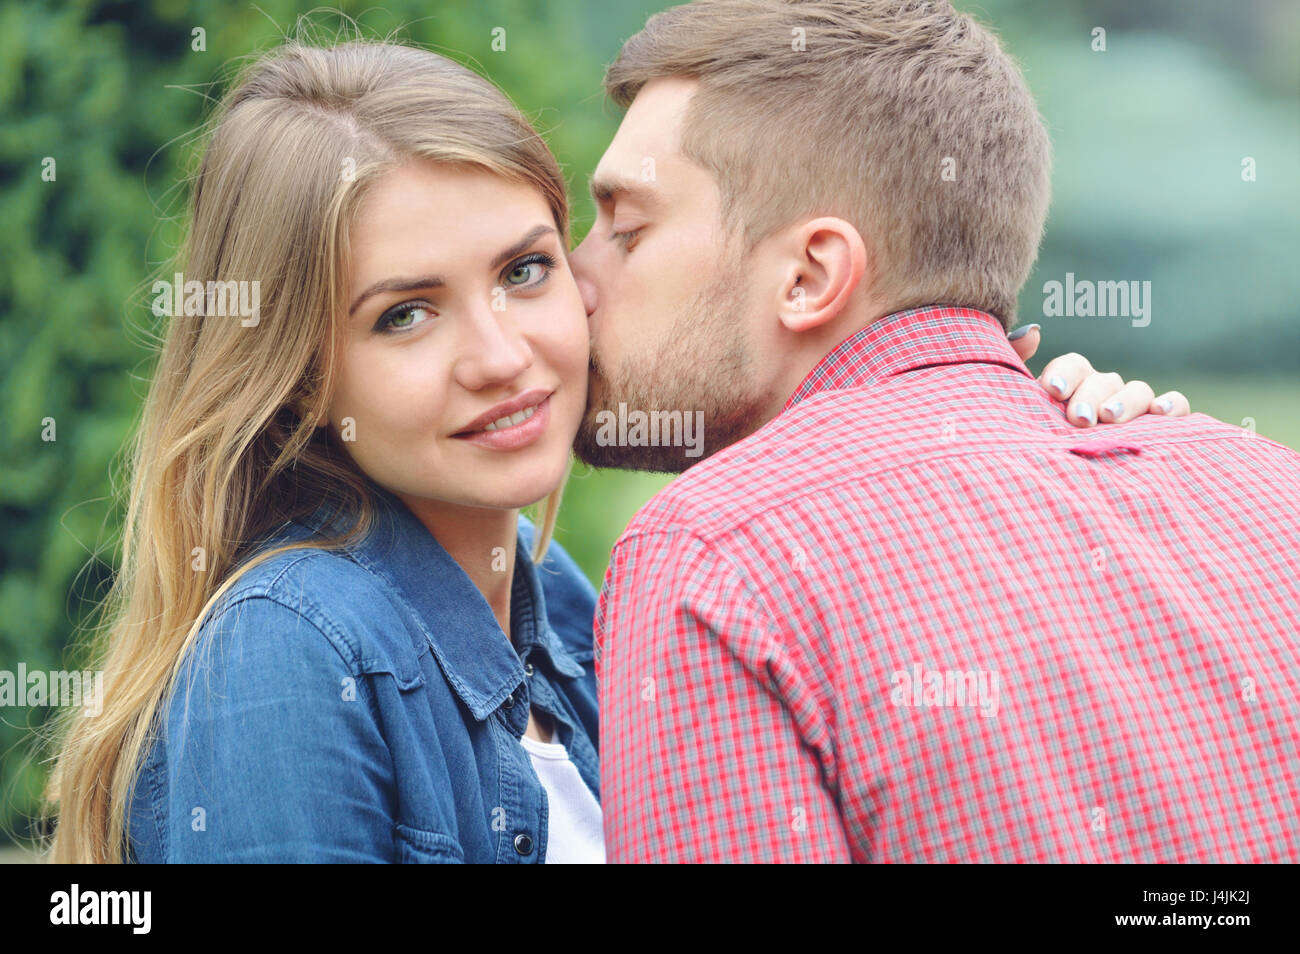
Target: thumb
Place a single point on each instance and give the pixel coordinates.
(1025, 340)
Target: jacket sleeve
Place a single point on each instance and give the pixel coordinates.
(274, 750)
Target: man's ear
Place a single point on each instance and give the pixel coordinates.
(824, 260)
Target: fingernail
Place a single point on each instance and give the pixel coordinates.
(1084, 410)
(1021, 332)
(1115, 408)
(1165, 404)
(1056, 383)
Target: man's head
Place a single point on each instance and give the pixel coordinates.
(785, 174)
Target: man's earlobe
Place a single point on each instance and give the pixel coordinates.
(828, 260)
(794, 313)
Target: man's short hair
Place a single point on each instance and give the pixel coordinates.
(903, 117)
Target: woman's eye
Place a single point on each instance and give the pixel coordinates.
(528, 272)
(405, 316)
(522, 274)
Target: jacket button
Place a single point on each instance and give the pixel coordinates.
(528, 669)
(523, 844)
(510, 701)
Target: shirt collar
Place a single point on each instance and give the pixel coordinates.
(907, 340)
(482, 666)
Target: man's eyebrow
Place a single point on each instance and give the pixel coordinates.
(604, 189)
(437, 281)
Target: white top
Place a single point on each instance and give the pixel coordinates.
(574, 832)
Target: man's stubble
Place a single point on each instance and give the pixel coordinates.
(704, 365)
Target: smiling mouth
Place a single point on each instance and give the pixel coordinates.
(514, 431)
(502, 423)
(510, 414)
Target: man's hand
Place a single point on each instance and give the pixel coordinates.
(1092, 395)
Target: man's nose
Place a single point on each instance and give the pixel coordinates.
(580, 264)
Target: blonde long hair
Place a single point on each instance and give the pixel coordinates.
(226, 450)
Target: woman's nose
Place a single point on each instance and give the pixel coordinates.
(494, 352)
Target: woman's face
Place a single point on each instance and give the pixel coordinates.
(465, 319)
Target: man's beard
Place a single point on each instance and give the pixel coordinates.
(703, 366)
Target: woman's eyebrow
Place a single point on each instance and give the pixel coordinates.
(397, 285)
(536, 232)
(437, 281)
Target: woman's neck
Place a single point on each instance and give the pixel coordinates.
(481, 541)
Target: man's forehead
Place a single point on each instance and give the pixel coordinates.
(649, 135)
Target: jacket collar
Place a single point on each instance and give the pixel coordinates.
(482, 666)
(907, 340)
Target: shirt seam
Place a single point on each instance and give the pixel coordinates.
(777, 637)
(353, 665)
(362, 677)
(450, 673)
(885, 468)
(771, 628)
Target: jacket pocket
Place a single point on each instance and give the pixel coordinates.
(418, 846)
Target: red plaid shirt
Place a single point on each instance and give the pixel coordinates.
(920, 617)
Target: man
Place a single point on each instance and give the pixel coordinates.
(901, 609)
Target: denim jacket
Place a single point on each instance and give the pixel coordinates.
(364, 706)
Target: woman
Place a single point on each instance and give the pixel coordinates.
(332, 638)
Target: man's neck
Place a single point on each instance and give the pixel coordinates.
(805, 350)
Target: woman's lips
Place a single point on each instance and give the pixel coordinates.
(516, 435)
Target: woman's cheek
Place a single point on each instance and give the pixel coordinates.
(375, 414)
(576, 337)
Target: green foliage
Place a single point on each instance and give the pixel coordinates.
(1148, 137)
(112, 93)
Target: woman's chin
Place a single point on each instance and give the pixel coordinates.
(528, 492)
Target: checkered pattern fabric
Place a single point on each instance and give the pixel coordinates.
(918, 616)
